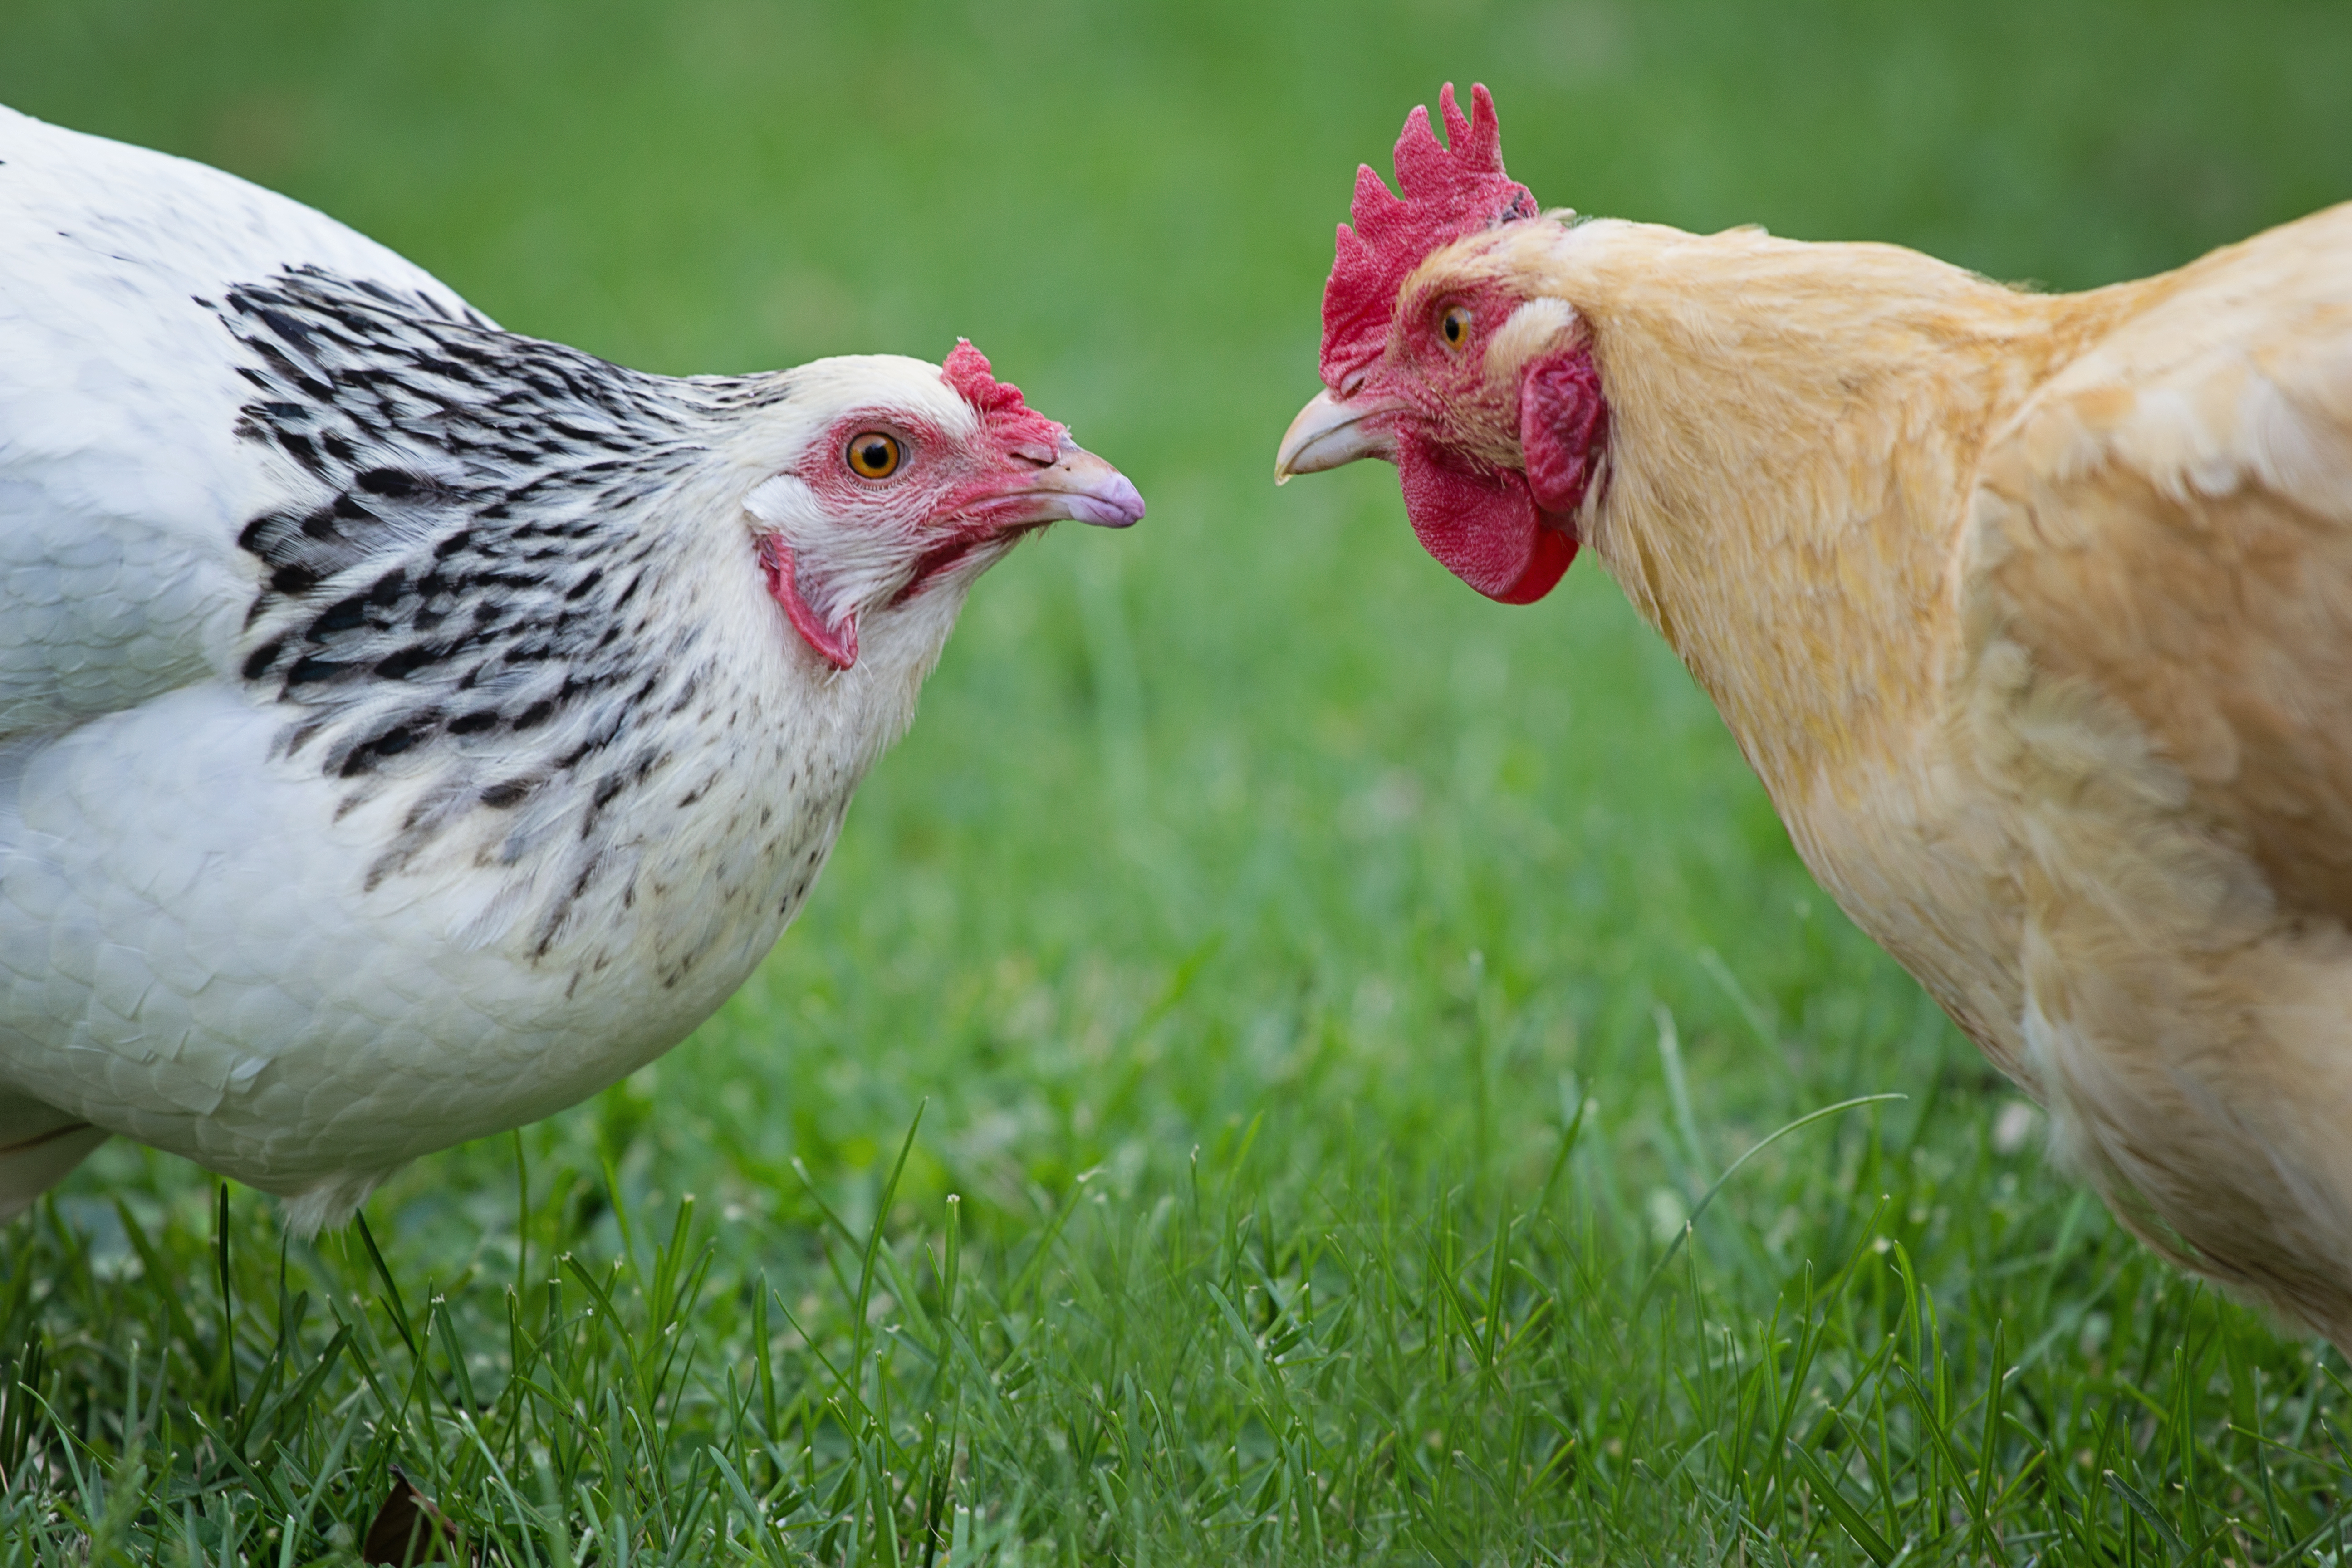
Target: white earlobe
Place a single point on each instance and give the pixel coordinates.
(1534, 327)
(779, 501)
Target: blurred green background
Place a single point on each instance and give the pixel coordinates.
(1252, 830)
(1253, 808)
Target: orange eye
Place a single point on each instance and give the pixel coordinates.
(1455, 326)
(874, 455)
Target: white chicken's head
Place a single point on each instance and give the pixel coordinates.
(1437, 358)
(918, 477)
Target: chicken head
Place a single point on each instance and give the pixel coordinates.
(1487, 400)
(932, 481)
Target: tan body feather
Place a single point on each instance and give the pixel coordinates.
(2034, 616)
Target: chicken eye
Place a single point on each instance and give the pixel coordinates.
(1455, 326)
(874, 455)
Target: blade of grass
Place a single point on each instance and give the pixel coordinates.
(1698, 1208)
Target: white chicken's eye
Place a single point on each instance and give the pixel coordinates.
(1455, 326)
(874, 455)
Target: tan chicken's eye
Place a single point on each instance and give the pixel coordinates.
(874, 455)
(1455, 326)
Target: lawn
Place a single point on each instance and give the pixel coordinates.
(1258, 1080)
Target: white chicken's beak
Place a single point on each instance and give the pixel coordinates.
(1332, 430)
(1077, 486)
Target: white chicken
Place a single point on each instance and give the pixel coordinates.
(408, 728)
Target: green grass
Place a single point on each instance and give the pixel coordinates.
(1325, 995)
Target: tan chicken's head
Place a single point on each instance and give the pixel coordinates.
(1436, 359)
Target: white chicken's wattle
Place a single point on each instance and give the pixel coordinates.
(406, 727)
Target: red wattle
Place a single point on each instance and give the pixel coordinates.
(1563, 428)
(837, 645)
(1485, 529)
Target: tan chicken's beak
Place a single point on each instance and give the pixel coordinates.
(1332, 430)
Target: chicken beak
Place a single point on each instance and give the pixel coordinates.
(1332, 430)
(1075, 486)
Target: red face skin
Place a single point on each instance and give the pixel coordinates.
(1501, 520)
(944, 497)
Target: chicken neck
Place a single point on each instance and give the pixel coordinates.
(1795, 430)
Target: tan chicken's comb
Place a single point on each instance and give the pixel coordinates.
(1449, 192)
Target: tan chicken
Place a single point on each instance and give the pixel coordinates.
(2033, 613)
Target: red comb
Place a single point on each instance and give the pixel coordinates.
(1447, 194)
(998, 403)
